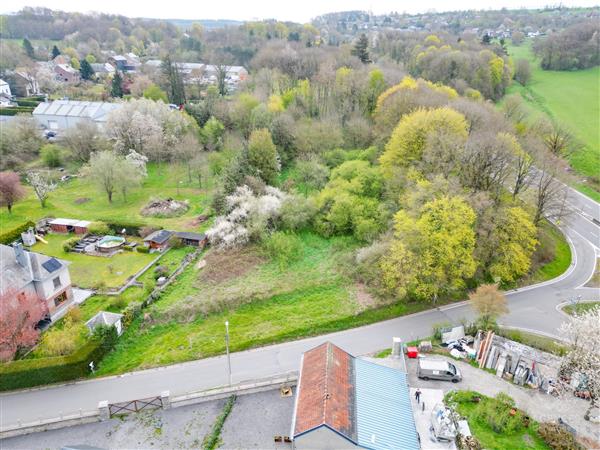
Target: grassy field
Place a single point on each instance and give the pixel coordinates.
(95, 271)
(80, 199)
(581, 308)
(309, 297)
(573, 99)
(523, 438)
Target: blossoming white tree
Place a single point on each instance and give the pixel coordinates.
(583, 358)
(42, 184)
(249, 216)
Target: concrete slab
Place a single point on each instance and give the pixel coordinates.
(81, 295)
(422, 414)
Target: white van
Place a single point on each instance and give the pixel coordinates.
(438, 369)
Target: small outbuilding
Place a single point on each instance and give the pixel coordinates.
(106, 318)
(343, 402)
(61, 225)
(192, 239)
(159, 240)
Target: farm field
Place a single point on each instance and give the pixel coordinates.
(95, 271)
(80, 199)
(572, 98)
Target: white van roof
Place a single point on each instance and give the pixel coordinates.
(433, 364)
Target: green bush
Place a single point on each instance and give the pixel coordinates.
(143, 249)
(14, 234)
(500, 414)
(283, 247)
(29, 103)
(211, 441)
(99, 228)
(13, 111)
(131, 228)
(107, 336)
(52, 155)
(129, 248)
(34, 372)
(130, 313)
(69, 244)
(557, 437)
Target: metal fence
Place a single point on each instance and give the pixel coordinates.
(134, 406)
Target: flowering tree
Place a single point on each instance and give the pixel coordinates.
(138, 161)
(583, 334)
(10, 189)
(249, 216)
(19, 314)
(42, 184)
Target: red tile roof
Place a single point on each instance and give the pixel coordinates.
(326, 391)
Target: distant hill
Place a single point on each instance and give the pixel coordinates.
(206, 23)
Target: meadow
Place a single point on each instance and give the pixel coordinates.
(573, 99)
(78, 198)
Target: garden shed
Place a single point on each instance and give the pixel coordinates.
(192, 239)
(61, 225)
(159, 240)
(106, 318)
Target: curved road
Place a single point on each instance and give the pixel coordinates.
(533, 308)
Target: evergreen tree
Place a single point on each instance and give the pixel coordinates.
(117, 85)
(85, 69)
(486, 39)
(55, 52)
(361, 49)
(28, 48)
(174, 81)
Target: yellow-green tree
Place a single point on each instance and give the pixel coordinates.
(433, 250)
(410, 136)
(262, 155)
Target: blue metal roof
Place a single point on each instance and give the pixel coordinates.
(383, 410)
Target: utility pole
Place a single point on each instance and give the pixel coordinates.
(227, 348)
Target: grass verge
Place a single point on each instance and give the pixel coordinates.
(581, 308)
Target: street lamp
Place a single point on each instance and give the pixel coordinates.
(227, 348)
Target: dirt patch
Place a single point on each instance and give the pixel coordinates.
(230, 264)
(364, 298)
(165, 208)
(196, 221)
(81, 200)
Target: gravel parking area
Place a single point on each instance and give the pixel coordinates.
(542, 407)
(253, 422)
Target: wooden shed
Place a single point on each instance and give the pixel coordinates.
(61, 225)
(192, 239)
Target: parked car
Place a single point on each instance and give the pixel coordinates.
(438, 369)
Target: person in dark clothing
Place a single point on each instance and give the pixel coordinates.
(418, 395)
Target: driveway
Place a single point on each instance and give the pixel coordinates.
(542, 407)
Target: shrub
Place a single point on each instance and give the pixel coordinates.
(297, 213)
(557, 437)
(107, 336)
(129, 248)
(500, 414)
(14, 234)
(131, 228)
(74, 314)
(34, 372)
(118, 303)
(52, 155)
(62, 341)
(99, 228)
(130, 313)
(143, 249)
(283, 247)
(69, 244)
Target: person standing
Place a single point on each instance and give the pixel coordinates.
(418, 395)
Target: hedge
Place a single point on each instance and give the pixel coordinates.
(13, 111)
(131, 228)
(27, 373)
(14, 234)
(29, 103)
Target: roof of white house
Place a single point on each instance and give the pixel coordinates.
(3, 83)
(96, 111)
(70, 222)
(103, 318)
(67, 68)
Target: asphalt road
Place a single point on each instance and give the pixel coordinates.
(533, 308)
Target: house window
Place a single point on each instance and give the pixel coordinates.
(56, 282)
(60, 299)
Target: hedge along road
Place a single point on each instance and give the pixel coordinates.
(531, 308)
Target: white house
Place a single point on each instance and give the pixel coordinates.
(5, 88)
(106, 318)
(65, 114)
(29, 272)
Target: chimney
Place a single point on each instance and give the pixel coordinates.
(20, 256)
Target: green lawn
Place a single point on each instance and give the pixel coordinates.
(581, 308)
(95, 271)
(572, 98)
(80, 199)
(524, 438)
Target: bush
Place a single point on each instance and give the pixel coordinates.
(13, 111)
(500, 414)
(557, 437)
(52, 155)
(143, 249)
(131, 228)
(283, 247)
(129, 248)
(99, 228)
(107, 336)
(297, 213)
(62, 341)
(69, 244)
(34, 372)
(14, 234)
(130, 313)
(29, 103)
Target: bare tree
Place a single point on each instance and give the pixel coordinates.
(222, 71)
(550, 193)
(83, 140)
(489, 303)
(558, 139)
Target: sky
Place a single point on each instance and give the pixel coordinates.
(296, 11)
